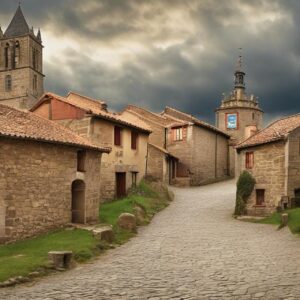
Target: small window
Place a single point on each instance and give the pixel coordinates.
(260, 197)
(134, 178)
(134, 139)
(16, 55)
(117, 135)
(34, 82)
(249, 160)
(81, 156)
(6, 50)
(177, 134)
(8, 83)
(253, 116)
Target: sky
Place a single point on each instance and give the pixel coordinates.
(180, 53)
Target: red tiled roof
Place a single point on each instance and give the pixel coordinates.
(25, 125)
(276, 131)
(96, 108)
(192, 119)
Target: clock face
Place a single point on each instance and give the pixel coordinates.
(231, 121)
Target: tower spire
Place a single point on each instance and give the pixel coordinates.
(239, 74)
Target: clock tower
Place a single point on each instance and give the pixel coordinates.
(239, 114)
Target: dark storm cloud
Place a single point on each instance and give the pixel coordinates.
(188, 50)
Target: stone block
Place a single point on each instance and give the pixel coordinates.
(127, 221)
(60, 260)
(284, 219)
(104, 233)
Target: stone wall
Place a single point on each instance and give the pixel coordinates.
(293, 163)
(246, 117)
(210, 156)
(35, 186)
(269, 171)
(157, 165)
(22, 95)
(121, 159)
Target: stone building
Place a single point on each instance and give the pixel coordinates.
(49, 175)
(202, 149)
(272, 156)
(239, 114)
(161, 164)
(21, 64)
(128, 136)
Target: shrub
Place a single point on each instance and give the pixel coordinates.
(245, 185)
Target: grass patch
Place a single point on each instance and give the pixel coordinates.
(29, 255)
(151, 196)
(23, 257)
(293, 220)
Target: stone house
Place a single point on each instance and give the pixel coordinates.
(128, 136)
(161, 164)
(201, 149)
(49, 175)
(21, 64)
(272, 156)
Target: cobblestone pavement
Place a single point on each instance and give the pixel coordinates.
(191, 250)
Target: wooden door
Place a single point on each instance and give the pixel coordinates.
(121, 184)
(78, 202)
(260, 196)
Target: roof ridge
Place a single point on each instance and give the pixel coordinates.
(144, 109)
(86, 97)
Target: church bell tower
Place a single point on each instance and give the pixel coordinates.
(239, 114)
(21, 64)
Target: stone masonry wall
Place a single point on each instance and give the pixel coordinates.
(293, 180)
(35, 186)
(269, 173)
(156, 165)
(210, 156)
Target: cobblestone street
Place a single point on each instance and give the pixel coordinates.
(191, 250)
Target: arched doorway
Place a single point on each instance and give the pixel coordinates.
(78, 201)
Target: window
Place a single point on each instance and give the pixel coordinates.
(134, 178)
(134, 139)
(6, 55)
(81, 155)
(253, 116)
(177, 134)
(117, 135)
(34, 59)
(260, 197)
(249, 160)
(34, 82)
(16, 54)
(8, 83)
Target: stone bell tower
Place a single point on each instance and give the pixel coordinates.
(239, 114)
(21, 64)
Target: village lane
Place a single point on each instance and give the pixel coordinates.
(193, 249)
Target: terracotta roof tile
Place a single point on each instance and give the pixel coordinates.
(277, 130)
(96, 108)
(25, 125)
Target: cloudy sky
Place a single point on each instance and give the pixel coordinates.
(180, 53)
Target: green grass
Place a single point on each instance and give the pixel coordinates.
(26, 256)
(144, 196)
(23, 257)
(293, 220)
